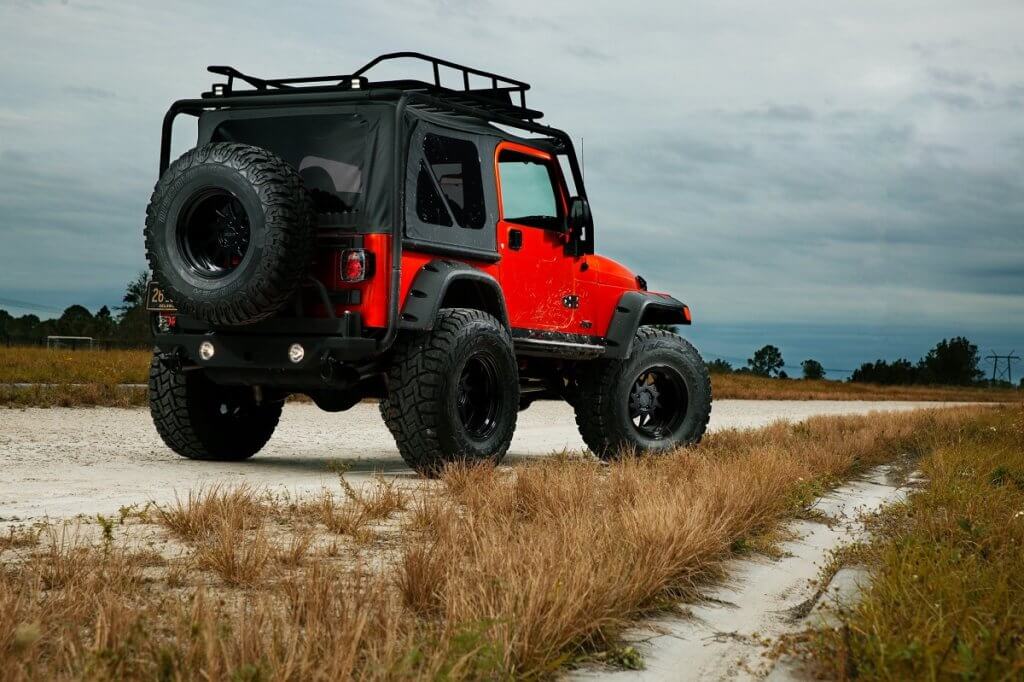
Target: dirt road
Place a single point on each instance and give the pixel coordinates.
(62, 462)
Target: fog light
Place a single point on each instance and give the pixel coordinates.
(206, 350)
(296, 352)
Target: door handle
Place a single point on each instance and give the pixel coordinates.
(515, 239)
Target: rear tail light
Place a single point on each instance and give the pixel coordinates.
(356, 265)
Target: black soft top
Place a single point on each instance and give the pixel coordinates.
(356, 135)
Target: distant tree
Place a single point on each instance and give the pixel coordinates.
(812, 369)
(782, 374)
(6, 320)
(898, 372)
(953, 362)
(719, 366)
(135, 292)
(132, 319)
(104, 324)
(131, 325)
(766, 361)
(75, 321)
(25, 327)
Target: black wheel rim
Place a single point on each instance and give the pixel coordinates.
(658, 401)
(214, 233)
(478, 399)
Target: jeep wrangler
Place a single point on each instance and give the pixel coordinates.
(427, 245)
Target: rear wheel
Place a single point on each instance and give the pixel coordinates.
(657, 399)
(199, 419)
(453, 392)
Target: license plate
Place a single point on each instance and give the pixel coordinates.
(157, 301)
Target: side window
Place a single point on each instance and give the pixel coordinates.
(449, 189)
(528, 191)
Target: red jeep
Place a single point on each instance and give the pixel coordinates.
(426, 245)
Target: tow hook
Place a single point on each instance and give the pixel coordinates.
(173, 361)
(337, 373)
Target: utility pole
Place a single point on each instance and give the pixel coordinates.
(1008, 372)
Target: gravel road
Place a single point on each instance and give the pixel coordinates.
(61, 462)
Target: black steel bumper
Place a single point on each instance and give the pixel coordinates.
(332, 350)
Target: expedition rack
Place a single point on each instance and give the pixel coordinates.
(499, 98)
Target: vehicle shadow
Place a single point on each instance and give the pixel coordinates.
(386, 463)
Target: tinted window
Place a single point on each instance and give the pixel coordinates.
(528, 191)
(449, 187)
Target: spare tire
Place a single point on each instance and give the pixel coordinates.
(229, 233)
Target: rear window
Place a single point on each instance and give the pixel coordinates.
(327, 150)
(449, 188)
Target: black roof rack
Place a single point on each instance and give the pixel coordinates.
(500, 97)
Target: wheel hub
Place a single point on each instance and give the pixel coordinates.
(215, 234)
(644, 398)
(658, 402)
(478, 397)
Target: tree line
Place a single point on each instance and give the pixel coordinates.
(124, 327)
(952, 362)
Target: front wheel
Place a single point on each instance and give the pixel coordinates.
(199, 419)
(453, 392)
(657, 399)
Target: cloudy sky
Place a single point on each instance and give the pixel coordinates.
(841, 179)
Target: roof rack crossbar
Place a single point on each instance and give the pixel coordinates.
(264, 84)
(514, 86)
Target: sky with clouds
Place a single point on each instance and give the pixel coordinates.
(841, 179)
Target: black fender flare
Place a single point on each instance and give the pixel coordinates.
(459, 283)
(637, 308)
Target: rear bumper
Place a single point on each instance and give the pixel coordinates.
(264, 352)
(334, 351)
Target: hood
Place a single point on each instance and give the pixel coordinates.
(607, 271)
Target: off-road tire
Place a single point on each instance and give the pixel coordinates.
(186, 409)
(281, 229)
(602, 407)
(420, 407)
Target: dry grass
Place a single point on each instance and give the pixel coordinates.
(945, 593)
(208, 510)
(294, 552)
(238, 554)
(353, 514)
(749, 387)
(35, 365)
(78, 395)
(487, 574)
(18, 537)
(65, 378)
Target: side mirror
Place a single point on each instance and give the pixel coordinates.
(580, 219)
